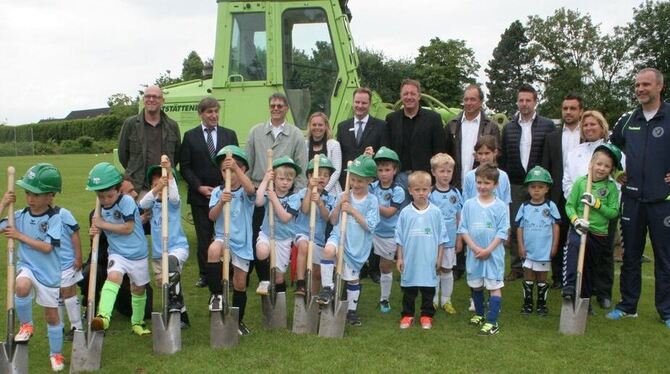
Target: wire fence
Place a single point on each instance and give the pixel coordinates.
(22, 143)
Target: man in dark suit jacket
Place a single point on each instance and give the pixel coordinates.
(201, 174)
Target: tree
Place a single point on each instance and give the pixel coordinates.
(165, 79)
(122, 105)
(513, 64)
(192, 67)
(383, 74)
(444, 68)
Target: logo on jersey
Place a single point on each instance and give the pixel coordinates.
(545, 212)
(602, 192)
(666, 221)
(117, 214)
(387, 196)
(44, 226)
(427, 231)
(657, 132)
(452, 199)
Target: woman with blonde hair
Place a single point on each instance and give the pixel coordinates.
(320, 141)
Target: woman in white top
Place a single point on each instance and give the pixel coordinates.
(320, 141)
(594, 132)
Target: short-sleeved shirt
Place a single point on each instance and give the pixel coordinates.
(358, 239)
(420, 233)
(283, 231)
(241, 212)
(302, 220)
(538, 222)
(502, 191)
(483, 223)
(176, 236)
(394, 196)
(70, 226)
(450, 203)
(132, 246)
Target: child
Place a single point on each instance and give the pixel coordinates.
(604, 203)
(486, 152)
(324, 204)
(390, 197)
(177, 244)
(484, 226)
(37, 229)
(450, 202)
(421, 237)
(537, 235)
(241, 197)
(120, 221)
(363, 216)
(285, 205)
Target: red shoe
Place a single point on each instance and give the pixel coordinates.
(406, 322)
(426, 322)
(57, 362)
(25, 332)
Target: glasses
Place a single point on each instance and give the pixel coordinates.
(276, 106)
(152, 97)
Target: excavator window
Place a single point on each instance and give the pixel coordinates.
(248, 52)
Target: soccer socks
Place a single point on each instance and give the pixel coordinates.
(447, 286)
(24, 308)
(55, 334)
(385, 282)
(213, 273)
(240, 301)
(542, 289)
(138, 302)
(73, 311)
(61, 309)
(107, 298)
(527, 289)
(353, 293)
(327, 268)
(478, 299)
(280, 287)
(494, 309)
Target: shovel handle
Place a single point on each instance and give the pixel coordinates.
(10, 242)
(343, 224)
(226, 226)
(582, 243)
(312, 215)
(164, 224)
(271, 218)
(93, 270)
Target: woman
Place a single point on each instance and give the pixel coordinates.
(320, 141)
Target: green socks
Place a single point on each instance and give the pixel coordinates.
(107, 299)
(139, 303)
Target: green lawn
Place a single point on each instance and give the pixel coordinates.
(525, 344)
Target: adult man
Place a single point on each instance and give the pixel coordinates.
(644, 136)
(557, 145)
(521, 149)
(145, 137)
(201, 173)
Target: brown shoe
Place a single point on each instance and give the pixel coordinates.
(513, 275)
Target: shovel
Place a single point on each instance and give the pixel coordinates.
(574, 314)
(334, 315)
(87, 345)
(166, 326)
(13, 357)
(274, 304)
(224, 325)
(305, 308)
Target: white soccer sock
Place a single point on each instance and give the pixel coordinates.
(61, 309)
(73, 311)
(327, 267)
(353, 292)
(385, 282)
(447, 286)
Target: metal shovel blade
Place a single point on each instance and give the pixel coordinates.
(15, 362)
(86, 355)
(305, 317)
(573, 317)
(274, 316)
(333, 319)
(224, 328)
(167, 337)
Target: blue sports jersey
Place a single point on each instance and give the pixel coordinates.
(450, 203)
(483, 223)
(132, 246)
(241, 212)
(502, 191)
(70, 226)
(394, 196)
(47, 228)
(302, 220)
(420, 233)
(538, 222)
(283, 231)
(358, 239)
(176, 235)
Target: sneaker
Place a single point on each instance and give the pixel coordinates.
(100, 323)
(527, 309)
(57, 362)
(617, 314)
(472, 306)
(542, 310)
(175, 306)
(324, 296)
(140, 329)
(477, 320)
(243, 329)
(489, 329)
(406, 322)
(447, 307)
(426, 322)
(263, 288)
(25, 332)
(69, 336)
(353, 318)
(300, 290)
(215, 303)
(384, 306)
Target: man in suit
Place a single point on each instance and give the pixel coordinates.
(201, 174)
(557, 145)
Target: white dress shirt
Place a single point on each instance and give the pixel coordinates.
(569, 140)
(204, 133)
(469, 131)
(526, 140)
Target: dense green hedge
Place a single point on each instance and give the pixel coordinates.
(82, 145)
(98, 128)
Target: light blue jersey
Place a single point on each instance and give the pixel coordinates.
(502, 191)
(176, 235)
(394, 196)
(450, 203)
(538, 222)
(70, 226)
(420, 233)
(302, 220)
(46, 228)
(483, 223)
(283, 231)
(132, 246)
(358, 239)
(241, 213)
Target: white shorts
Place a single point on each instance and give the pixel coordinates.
(384, 247)
(44, 296)
(180, 253)
(70, 277)
(237, 261)
(282, 250)
(137, 270)
(349, 274)
(489, 284)
(317, 253)
(537, 265)
(449, 258)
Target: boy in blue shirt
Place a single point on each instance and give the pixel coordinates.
(420, 237)
(363, 210)
(484, 226)
(242, 196)
(537, 236)
(37, 228)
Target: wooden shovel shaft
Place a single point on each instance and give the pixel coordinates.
(226, 228)
(164, 226)
(343, 225)
(582, 243)
(312, 217)
(93, 272)
(10, 243)
(271, 219)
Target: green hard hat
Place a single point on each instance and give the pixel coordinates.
(103, 176)
(41, 178)
(235, 150)
(613, 151)
(324, 162)
(363, 166)
(385, 153)
(152, 169)
(286, 161)
(538, 174)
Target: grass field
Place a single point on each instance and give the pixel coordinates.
(525, 344)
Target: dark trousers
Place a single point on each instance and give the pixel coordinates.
(409, 295)
(603, 273)
(204, 232)
(557, 260)
(597, 246)
(519, 195)
(636, 219)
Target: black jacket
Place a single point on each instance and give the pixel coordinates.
(510, 158)
(427, 139)
(552, 160)
(374, 136)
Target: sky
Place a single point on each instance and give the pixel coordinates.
(56, 57)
